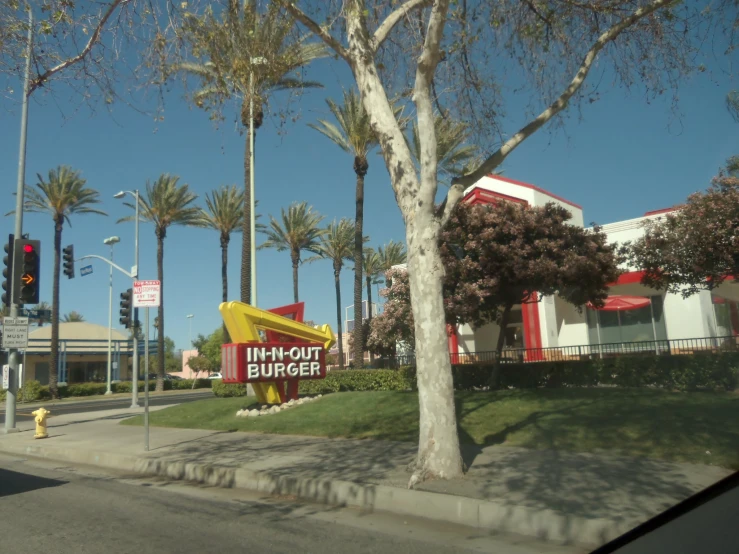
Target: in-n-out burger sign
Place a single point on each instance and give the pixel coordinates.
(272, 361)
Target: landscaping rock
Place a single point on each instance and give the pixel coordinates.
(285, 406)
(274, 410)
(253, 413)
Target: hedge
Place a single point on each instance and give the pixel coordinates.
(33, 390)
(683, 373)
(335, 381)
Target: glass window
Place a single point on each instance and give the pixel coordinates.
(727, 316)
(628, 325)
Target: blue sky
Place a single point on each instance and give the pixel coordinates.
(624, 158)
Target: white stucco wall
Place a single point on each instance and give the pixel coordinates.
(548, 322)
(532, 194)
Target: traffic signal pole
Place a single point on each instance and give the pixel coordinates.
(13, 357)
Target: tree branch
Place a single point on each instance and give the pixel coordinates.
(391, 20)
(41, 79)
(560, 103)
(324, 35)
(425, 70)
(455, 194)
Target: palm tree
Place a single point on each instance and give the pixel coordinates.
(372, 270)
(225, 214)
(63, 195)
(300, 230)
(42, 306)
(166, 203)
(73, 317)
(353, 135)
(393, 253)
(227, 47)
(337, 245)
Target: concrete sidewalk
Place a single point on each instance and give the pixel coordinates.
(582, 499)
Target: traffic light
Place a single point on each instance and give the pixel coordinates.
(8, 271)
(68, 256)
(126, 308)
(26, 271)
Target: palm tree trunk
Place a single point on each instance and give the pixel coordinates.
(160, 330)
(224, 278)
(54, 357)
(337, 273)
(296, 260)
(246, 224)
(360, 168)
(368, 278)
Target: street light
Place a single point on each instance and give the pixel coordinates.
(259, 60)
(190, 316)
(135, 272)
(110, 241)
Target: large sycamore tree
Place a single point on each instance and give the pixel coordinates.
(456, 53)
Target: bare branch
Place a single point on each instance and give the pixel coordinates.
(455, 194)
(387, 26)
(41, 79)
(422, 98)
(561, 102)
(306, 20)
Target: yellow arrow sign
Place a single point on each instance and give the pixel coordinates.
(27, 279)
(244, 322)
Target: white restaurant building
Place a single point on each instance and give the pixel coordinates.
(560, 330)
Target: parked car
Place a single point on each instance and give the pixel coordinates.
(216, 375)
(173, 377)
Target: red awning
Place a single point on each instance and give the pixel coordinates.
(621, 302)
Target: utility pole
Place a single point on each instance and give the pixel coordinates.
(10, 400)
(110, 241)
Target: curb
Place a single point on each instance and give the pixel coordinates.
(542, 524)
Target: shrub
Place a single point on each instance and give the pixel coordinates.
(335, 381)
(187, 384)
(30, 391)
(227, 390)
(83, 389)
(683, 373)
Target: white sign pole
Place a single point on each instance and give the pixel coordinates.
(146, 383)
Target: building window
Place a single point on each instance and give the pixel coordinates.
(640, 325)
(514, 336)
(727, 316)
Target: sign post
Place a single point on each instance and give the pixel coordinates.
(146, 294)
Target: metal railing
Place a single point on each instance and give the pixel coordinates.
(584, 352)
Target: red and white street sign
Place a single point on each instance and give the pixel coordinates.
(147, 294)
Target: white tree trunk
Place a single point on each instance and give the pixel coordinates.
(439, 454)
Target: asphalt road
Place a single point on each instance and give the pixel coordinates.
(46, 507)
(60, 408)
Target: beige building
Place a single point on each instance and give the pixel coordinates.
(83, 354)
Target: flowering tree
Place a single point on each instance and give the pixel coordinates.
(499, 256)
(696, 247)
(395, 324)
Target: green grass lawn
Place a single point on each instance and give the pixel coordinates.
(652, 423)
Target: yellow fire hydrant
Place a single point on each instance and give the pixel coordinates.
(41, 415)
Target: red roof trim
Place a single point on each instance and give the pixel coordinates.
(662, 211)
(479, 195)
(628, 278)
(533, 187)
